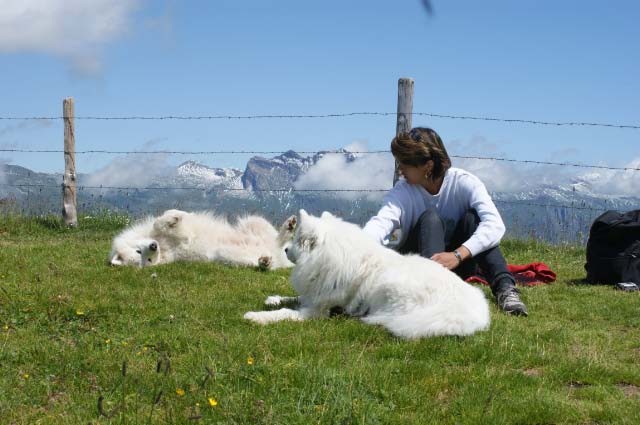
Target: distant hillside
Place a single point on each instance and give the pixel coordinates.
(534, 213)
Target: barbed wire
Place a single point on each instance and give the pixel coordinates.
(535, 204)
(290, 190)
(487, 158)
(192, 152)
(334, 115)
(529, 161)
(209, 189)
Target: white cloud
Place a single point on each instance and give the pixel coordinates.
(501, 176)
(73, 29)
(615, 182)
(132, 170)
(369, 171)
(375, 171)
(504, 176)
(3, 163)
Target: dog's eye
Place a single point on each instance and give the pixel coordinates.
(138, 251)
(149, 259)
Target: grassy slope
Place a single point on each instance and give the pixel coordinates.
(68, 323)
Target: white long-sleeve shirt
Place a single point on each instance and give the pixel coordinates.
(460, 192)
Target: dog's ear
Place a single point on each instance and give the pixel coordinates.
(115, 260)
(303, 215)
(326, 214)
(291, 223)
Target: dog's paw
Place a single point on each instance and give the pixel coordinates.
(264, 262)
(255, 317)
(170, 219)
(273, 301)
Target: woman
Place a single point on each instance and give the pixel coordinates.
(445, 214)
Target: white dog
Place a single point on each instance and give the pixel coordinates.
(338, 265)
(126, 246)
(178, 235)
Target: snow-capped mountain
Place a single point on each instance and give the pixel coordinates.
(280, 172)
(276, 173)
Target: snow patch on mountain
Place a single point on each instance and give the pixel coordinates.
(192, 173)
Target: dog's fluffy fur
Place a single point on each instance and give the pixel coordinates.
(338, 265)
(182, 236)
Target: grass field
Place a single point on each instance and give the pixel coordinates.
(169, 345)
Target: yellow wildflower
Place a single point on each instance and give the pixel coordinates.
(250, 360)
(107, 341)
(25, 376)
(79, 313)
(180, 391)
(212, 402)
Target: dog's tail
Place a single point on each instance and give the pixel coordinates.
(435, 320)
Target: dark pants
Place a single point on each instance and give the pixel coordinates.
(427, 237)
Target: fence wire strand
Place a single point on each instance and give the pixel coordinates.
(334, 115)
(343, 152)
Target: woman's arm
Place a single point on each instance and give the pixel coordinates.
(491, 227)
(380, 226)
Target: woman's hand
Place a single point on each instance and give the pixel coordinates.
(447, 259)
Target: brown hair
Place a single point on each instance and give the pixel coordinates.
(420, 145)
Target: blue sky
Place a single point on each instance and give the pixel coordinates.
(542, 60)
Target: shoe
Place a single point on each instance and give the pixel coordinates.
(336, 311)
(509, 301)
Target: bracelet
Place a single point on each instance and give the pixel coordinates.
(458, 256)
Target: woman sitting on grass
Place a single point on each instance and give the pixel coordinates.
(445, 214)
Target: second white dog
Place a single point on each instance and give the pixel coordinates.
(338, 265)
(183, 236)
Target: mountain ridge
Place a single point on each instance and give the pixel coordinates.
(546, 211)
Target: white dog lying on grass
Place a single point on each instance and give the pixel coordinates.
(338, 265)
(182, 236)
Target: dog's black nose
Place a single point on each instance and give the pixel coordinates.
(153, 246)
(286, 250)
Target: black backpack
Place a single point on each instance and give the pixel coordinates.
(613, 248)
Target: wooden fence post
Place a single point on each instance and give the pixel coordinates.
(69, 213)
(405, 112)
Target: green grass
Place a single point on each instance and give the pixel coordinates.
(69, 323)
